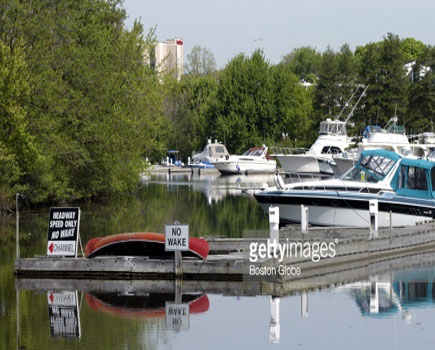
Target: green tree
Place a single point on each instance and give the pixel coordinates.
(382, 68)
(412, 48)
(94, 107)
(256, 102)
(304, 62)
(421, 109)
(186, 108)
(200, 61)
(18, 154)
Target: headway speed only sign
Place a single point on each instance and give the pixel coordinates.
(176, 237)
(63, 231)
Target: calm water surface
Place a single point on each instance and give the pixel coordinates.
(391, 311)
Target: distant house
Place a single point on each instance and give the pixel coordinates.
(167, 57)
(414, 73)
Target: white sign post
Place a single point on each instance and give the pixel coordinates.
(177, 240)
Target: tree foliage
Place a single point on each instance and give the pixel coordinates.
(92, 107)
(200, 61)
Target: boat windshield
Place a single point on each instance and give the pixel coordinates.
(371, 168)
(329, 127)
(256, 152)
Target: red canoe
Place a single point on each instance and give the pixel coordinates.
(141, 244)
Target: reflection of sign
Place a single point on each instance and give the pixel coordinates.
(63, 231)
(176, 237)
(177, 316)
(64, 314)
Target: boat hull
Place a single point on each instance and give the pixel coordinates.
(237, 167)
(141, 244)
(303, 164)
(347, 211)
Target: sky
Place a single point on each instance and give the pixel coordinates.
(230, 27)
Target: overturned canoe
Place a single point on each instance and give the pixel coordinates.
(139, 306)
(142, 244)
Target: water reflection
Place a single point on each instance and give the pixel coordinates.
(143, 306)
(215, 187)
(408, 289)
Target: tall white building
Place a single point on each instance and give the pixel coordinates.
(168, 57)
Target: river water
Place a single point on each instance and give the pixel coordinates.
(392, 310)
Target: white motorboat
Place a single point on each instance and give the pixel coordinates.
(212, 152)
(391, 138)
(254, 160)
(332, 141)
(403, 186)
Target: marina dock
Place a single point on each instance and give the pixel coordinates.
(228, 260)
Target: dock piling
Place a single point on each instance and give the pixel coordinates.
(373, 211)
(304, 219)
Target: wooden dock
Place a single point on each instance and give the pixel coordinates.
(158, 170)
(229, 258)
(337, 276)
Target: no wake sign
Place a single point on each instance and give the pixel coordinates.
(63, 231)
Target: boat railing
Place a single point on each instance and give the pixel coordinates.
(279, 151)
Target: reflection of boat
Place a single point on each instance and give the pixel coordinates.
(141, 244)
(143, 306)
(409, 289)
(254, 160)
(211, 153)
(402, 186)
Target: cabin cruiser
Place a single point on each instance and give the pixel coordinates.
(392, 137)
(211, 153)
(403, 186)
(332, 140)
(254, 160)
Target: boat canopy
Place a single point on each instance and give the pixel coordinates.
(216, 150)
(373, 165)
(415, 178)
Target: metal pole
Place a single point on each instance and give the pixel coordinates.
(17, 233)
(178, 264)
(391, 226)
(178, 291)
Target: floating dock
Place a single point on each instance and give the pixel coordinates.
(158, 170)
(229, 261)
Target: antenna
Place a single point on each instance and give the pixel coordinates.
(347, 103)
(351, 112)
(356, 104)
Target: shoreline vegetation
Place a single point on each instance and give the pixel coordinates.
(80, 108)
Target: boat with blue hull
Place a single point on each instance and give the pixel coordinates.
(403, 187)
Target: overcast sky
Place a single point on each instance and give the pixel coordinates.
(228, 27)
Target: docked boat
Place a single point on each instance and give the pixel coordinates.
(254, 160)
(148, 244)
(403, 186)
(332, 141)
(392, 138)
(212, 152)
